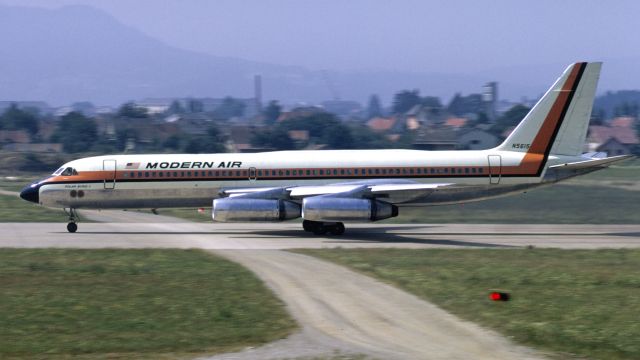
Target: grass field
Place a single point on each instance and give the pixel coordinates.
(131, 304)
(575, 303)
(559, 204)
(14, 209)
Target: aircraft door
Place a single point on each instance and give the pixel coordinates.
(109, 167)
(252, 174)
(495, 169)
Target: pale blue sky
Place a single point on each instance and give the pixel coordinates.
(461, 36)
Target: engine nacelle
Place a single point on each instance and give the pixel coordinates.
(320, 208)
(238, 209)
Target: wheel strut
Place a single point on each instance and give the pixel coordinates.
(72, 225)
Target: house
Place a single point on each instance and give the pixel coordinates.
(476, 139)
(381, 125)
(299, 135)
(436, 138)
(34, 148)
(240, 139)
(456, 122)
(614, 140)
(623, 121)
(422, 115)
(302, 111)
(14, 136)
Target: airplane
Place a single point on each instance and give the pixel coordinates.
(327, 188)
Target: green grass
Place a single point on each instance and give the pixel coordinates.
(558, 204)
(628, 170)
(16, 183)
(14, 209)
(582, 303)
(131, 304)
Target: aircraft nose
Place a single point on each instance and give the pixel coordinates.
(31, 193)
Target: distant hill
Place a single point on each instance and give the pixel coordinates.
(77, 53)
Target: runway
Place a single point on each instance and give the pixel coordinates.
(165, 233)
(339, 311)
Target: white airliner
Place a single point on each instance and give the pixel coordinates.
(327, 188)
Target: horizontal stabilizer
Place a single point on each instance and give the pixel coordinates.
(591, 163)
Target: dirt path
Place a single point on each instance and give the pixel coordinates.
(349, 312)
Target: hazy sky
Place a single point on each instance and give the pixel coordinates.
(423, 36)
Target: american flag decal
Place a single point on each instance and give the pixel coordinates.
(132, 165)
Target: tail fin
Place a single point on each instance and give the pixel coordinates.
(558, 123)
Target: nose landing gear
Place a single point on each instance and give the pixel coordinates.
(72, 226)
(321, 228)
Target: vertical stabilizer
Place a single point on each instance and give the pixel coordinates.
(558, 122)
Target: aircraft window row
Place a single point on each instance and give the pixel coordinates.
(179, 174)
(297, 172)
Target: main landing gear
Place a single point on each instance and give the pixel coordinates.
(321, 228)
(72, 225)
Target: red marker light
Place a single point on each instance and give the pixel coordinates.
(499, 296)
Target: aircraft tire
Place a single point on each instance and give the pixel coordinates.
(72, 227)
(337, 229)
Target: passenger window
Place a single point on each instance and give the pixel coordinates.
(321, 172)
(259, 172)
(195, 173)
(308, 172)
(175, 174)
(287, 172)
(161, 174)
(480, 170)
(146, 174)
(473, 170)
(132, 174)
(466, 170)
(139, 174)
(189, 173)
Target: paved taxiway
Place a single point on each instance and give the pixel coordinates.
(290, 235)
(339, 310)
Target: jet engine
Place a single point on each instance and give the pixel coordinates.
(237, 209)
(327, 209)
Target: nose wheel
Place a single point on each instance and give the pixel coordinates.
(72, 225)
(321, 228)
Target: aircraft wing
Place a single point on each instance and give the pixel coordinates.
(389, 190)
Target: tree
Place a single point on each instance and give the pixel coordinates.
(510, 118)
(76, 132)
(338, 137)
(405, 100)
(277, 138)
(15, 118)
(132, 110)
(176, 108)
(374, 108)
(212, 142)
(195, 106)
(229, 108)
(272, 112)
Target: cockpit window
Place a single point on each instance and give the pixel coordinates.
(59, 171)
(69, 172)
